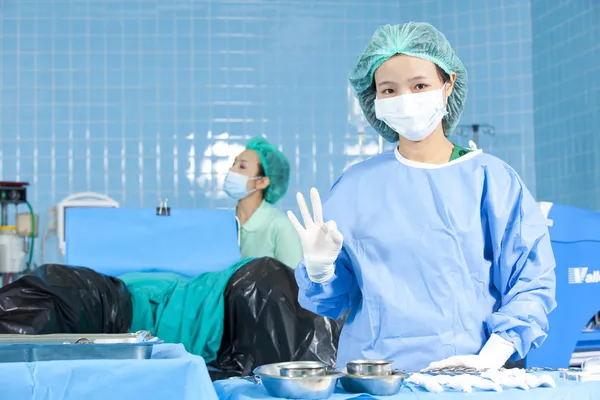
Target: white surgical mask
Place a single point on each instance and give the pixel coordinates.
(413, 116)
(235, 185)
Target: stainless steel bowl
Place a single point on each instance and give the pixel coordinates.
(305, 388)
(303, 368)
(384, 385)
(369, 367)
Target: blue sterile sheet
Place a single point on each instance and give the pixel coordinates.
(171, 373)
(239, 389)
(115, 241)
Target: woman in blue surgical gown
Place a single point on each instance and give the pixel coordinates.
(437, 254)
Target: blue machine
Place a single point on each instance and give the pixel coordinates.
(575, 236)
(114, 241)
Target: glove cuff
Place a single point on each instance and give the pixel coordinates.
(322, 278)
(497, 349)
(319, 270)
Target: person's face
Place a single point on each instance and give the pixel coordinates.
(248, 163)
(404, 74)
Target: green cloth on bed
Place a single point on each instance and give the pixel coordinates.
(178, 309)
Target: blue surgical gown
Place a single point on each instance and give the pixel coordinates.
(436, 258)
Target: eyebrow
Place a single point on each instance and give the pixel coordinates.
(414, 78)
(385, 83)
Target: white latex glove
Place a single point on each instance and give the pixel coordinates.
(520, 379)
(507, 379)
(535, 381)
(463, 383)
(321, 241)
(493, 356)
(466, 383)
(477, 382)
(454, 382)
(427, 382)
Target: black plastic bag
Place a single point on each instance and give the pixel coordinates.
(265, 324)
(60, 299)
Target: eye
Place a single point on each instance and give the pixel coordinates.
(420, 86)
(387, 91)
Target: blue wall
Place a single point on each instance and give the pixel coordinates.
(566, 70)
(144, 100)
(141, 99)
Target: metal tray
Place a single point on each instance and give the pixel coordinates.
(30, 348)
(580, 376)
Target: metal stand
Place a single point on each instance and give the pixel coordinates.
(11, 193)
(475, 129)
(4, 214)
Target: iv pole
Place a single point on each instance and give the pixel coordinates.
(475, 129)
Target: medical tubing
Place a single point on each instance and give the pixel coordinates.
(32, 234)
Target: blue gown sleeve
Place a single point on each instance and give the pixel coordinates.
(332, 298)
(523, 271)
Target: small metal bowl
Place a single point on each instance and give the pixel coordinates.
(303, 368)
(369, 367)
(383, 385)
(305, 388)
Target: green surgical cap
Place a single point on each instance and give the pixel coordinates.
(276, 166)
(417, 39)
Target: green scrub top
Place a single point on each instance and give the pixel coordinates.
(269, 233)
(458, 152)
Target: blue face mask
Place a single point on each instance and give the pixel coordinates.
(235, 185)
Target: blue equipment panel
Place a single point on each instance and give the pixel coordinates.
(575, 236)
(114, 241)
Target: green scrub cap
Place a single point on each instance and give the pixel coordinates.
(275, 165)
(417, 39)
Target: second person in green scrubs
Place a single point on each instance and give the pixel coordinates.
(258, 179)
